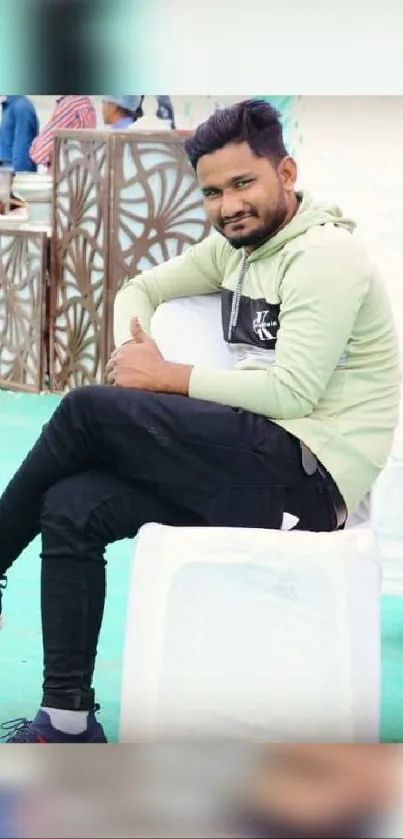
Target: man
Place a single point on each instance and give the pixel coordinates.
(19, 127)
(120, 111)
(70, 112)
(303, 423)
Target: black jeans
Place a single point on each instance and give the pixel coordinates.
(112, 459)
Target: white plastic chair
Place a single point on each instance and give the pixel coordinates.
(252, 633)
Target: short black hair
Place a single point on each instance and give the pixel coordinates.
(253, 121)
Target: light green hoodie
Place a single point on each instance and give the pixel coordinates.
(310, 325)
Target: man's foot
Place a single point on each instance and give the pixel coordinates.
(40, 730)
(3, 583)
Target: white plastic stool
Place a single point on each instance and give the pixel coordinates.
(387, 520)
(362, 516)
(250, 633)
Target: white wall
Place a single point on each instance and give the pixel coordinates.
(349, 151)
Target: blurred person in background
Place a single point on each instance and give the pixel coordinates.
(120, 111)
(19, 127)
(70, 112)
(165, 110)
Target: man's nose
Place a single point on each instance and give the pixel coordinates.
(231, 205)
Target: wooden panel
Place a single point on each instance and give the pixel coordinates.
(23, 277)
(79, 258)
(156, 206)
(123, 202)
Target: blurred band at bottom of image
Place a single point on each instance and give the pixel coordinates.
(227, 790)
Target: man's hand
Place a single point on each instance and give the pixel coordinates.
(139, 364)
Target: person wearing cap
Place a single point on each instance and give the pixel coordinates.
(120, 111)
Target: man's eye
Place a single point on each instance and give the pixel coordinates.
(242, 183)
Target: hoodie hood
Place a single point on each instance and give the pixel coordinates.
(309, 214)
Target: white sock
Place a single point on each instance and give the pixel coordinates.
(70, 722)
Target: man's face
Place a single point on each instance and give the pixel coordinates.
(247, 198)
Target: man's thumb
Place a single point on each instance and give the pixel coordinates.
(137, 331)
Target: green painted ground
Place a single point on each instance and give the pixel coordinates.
(21, 418)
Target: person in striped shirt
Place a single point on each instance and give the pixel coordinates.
(70, 112)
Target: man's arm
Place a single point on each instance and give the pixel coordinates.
(197, 271)
(321, 295)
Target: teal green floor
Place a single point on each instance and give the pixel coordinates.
(21, 418)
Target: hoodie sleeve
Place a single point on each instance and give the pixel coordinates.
(321, 294)
(197, 271)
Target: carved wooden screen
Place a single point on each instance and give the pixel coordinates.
(80, 258)
(23, 277)
(123, 202)
(156, 206)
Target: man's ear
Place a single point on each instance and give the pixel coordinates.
(288, 172)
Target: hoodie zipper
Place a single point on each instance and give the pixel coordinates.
(236, 300)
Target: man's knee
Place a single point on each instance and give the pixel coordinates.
(98, 403)
(84, 509)
(84, 397)
(65, 508)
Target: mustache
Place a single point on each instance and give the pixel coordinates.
(237, 217)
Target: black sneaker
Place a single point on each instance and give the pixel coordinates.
(3, 584)
(40, 730)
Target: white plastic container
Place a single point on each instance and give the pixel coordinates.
(36, 189)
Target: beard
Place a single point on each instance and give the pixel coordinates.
(260, 234)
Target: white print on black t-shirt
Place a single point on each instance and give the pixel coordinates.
(262, 324)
